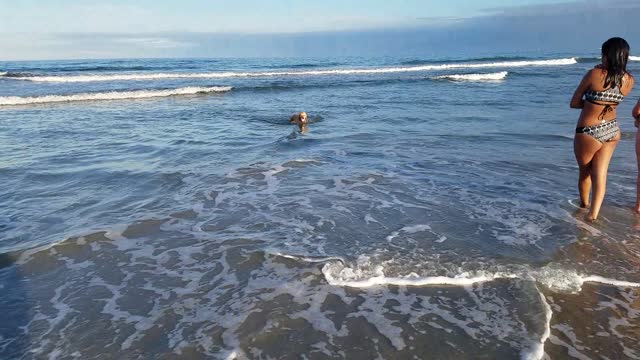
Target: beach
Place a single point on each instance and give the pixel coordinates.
(166, 209)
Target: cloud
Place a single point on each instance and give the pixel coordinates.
(569, 27)
(60, 46)
(152, 42)
(439, 20)
(563, 8)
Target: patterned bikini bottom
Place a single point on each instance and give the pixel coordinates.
(602, 132)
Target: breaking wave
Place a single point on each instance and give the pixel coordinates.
(325, 72)
(111, 95)
(475, 77)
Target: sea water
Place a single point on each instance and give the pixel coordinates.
(166, 209)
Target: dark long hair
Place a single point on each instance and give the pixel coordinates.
(616, 51)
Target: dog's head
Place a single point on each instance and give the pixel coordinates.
(303, 117)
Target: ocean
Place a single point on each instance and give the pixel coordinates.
(166, 209)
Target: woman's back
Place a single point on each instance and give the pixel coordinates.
(601, 101)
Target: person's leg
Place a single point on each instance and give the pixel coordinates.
(599, 170)
(637, 207)
(584, 148)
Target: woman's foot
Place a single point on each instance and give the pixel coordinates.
(578, 204)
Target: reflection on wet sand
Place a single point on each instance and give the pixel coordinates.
(601, 318)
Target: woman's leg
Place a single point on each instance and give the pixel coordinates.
(599, 170)
(637, 207)
(585, 147)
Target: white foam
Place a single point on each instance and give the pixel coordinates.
(563, 280)
(26, 255)
(232, 74)
(416, 228)
(376, 318)
(365, 274)
(115, 233)
(112, 95)
(408, 230)
(309, 259)
(55, 354)
(581, 224)
(570, 334)
(305, 160)
(558, 279)
(634, 58)
(603, 280)
(347, 277)
(475, 77)
(322, 346)
(232, 355)
(63, 309)
(370, 219)
(272, 181)
(3, 73)
(630, 353)
(537, 350)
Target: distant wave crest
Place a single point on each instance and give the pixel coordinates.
(112, 95)
(232, 74)
(596, 59)
(306, 65)
(583, 60)
(482, 59)
(475, 77)
(18, 75)
(107, 68)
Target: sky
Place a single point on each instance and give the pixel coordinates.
(68, 29)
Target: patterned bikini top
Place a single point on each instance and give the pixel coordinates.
(612, 95)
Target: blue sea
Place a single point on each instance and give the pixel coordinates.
(167, 209)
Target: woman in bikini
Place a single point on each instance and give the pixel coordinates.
(597, 131)
(636, 115)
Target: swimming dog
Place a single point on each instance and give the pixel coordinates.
(299, 119)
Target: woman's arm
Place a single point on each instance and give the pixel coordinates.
(636, 113)
(576, 100)
(627, 84)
